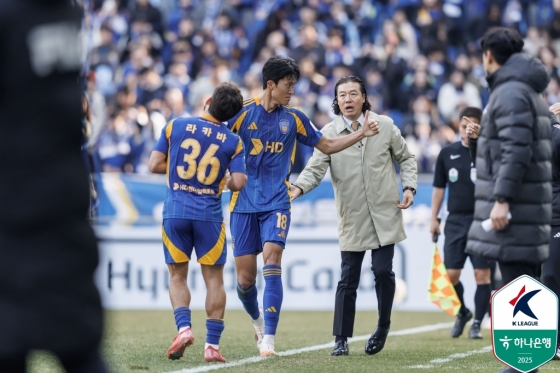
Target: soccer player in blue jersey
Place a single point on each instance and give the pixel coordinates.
(260, 213)
(196, 153)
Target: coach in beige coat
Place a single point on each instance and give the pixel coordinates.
(368, 205)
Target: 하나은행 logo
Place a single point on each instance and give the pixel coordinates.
(524, 324)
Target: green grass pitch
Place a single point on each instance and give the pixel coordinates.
(137, 341)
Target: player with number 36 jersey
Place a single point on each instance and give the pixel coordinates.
(199, 152)
(195, 154)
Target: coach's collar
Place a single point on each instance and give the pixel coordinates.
(340, 124)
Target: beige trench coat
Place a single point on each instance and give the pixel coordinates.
(365, 184)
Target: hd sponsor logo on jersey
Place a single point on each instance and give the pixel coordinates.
(191, 189)
(524, 322)
(269, 147)
(284, 125)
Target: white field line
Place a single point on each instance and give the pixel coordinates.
(256, 359)
(460, 355)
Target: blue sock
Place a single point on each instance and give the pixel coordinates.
(249, 299)
(273, 294)
(214, 329)
(182, 317)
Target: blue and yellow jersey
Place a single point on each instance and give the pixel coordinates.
(270, 149)
(199, 151)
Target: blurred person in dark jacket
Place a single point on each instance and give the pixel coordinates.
(550, 275)
(513, 160)
(48, 299)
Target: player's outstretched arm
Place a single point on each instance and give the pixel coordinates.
(328, 146)
(158, 162)
(236, 181)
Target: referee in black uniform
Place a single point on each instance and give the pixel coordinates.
(455, 169)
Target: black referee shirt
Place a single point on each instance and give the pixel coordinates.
(455, 169)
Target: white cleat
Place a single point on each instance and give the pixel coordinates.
(258, 324)
(267, 346)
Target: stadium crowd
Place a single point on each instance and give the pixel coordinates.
(152, 61)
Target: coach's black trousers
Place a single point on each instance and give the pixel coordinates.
(345, 304)
(551, 268)
(512, 270)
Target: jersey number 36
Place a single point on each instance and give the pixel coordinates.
(207, 159)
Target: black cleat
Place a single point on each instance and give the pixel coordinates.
(462, 320)
(340, 349)
(474, 332)
(377, 340)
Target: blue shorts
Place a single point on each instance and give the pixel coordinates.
(207, 238)
(250, 231)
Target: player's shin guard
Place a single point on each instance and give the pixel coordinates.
(273, 294)
(214, 329)
(182, 317)
(249, 299)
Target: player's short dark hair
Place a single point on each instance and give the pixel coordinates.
(227, 101)
(350, 78)
(502, 42)
(471, 112)
(278, 68)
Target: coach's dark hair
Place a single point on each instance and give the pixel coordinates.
(502, 42)
(472, 112)
(350, 78)
(277, 68)
(227, 101)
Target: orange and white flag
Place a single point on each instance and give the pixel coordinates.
(442, 292)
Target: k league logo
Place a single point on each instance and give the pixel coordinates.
(524, 323)
(521, 304)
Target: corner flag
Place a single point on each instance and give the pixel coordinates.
(442, 293)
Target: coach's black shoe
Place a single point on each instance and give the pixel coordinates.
(462, 320)
(340, 349)
(511, 370)
(377, 340)
(474, 332)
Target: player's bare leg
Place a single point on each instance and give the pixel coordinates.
(179, 292)
(246, 266)
(273, 294)
(215, 306)
(180, 296)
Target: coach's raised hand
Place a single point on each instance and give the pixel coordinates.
(370, 126)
